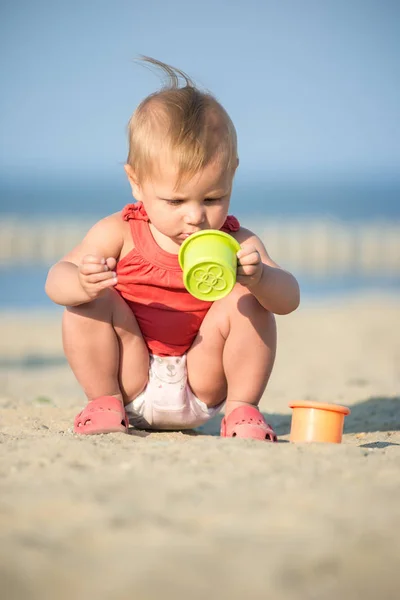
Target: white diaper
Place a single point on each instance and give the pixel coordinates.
(167, 401)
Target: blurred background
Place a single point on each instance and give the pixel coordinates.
(312, 87)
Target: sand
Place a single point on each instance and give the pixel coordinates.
(178, 515)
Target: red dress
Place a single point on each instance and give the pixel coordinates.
(150, 281)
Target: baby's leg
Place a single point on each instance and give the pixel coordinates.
(234, 352)
(105, 348)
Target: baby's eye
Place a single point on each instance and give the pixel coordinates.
(175, 202)
(211, 200)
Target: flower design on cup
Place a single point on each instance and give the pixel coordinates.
(209, 278)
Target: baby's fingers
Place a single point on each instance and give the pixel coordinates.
(250, 259)
(93, 259)
(100, 277)
(111, 263)
(92, 268)
(108, 283)
(247, 270)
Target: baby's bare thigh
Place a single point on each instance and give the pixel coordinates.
(205, 358)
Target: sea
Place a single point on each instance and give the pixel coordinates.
(254, 199)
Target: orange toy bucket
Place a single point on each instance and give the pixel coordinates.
(317, 422)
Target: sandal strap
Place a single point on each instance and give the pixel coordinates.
(248, 416)
(102, 403)
(97, 409)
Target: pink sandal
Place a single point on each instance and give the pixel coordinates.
(247, 422)
(103, 415)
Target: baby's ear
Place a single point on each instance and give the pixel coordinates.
(131, 175)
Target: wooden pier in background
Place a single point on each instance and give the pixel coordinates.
(313, 247)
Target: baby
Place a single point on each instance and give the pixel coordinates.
(143, 349)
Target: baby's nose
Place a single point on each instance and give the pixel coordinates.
(195, 216)
(171, 369)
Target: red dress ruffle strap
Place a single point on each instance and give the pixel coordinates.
(134, 211)
(231, 224)
(137, 212)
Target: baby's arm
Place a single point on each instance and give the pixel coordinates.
(276, 290)
(85, 272)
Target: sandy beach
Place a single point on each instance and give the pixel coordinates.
(177, 515)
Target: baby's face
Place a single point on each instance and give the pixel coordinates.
(197, 204)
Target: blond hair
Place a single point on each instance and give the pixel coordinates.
(186, 122)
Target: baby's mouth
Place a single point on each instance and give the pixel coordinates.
(187, 234)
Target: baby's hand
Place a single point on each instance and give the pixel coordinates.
(250, 265)
(96, 274)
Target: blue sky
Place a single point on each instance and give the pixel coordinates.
(313, 86)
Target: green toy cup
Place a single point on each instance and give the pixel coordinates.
(208, 260)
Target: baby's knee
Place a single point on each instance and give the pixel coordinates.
(243, 307)
(243, 301)
(101, 306)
